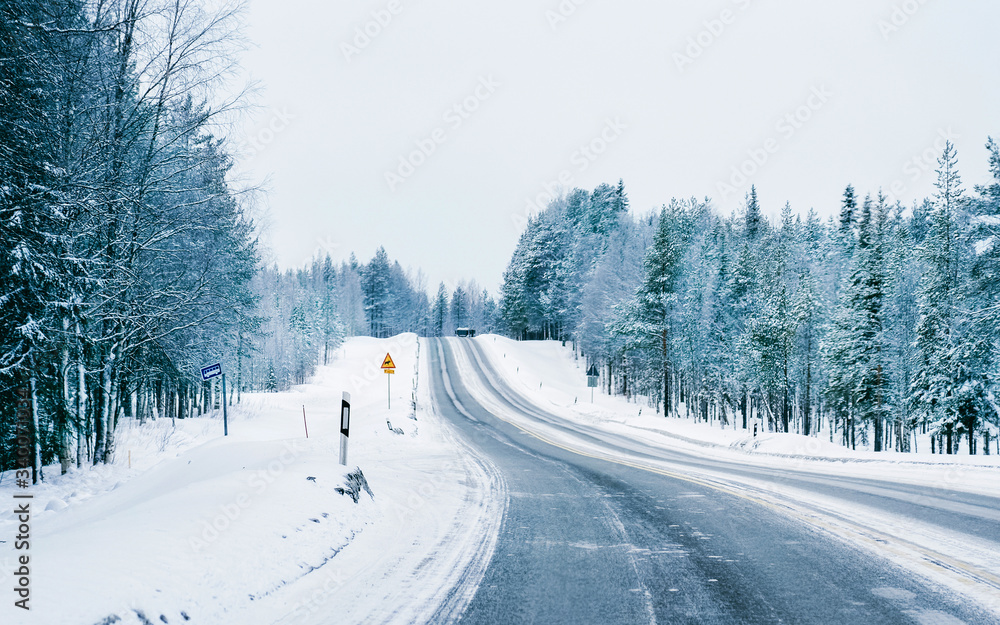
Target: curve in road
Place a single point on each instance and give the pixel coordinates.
(589, 540)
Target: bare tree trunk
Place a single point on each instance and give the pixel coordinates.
(142, 401)
(36, 433)
(103, 421)
(100, 419)
(62, 429)
(113, 408)
(81, 407)
(743, 407)
(239, 364)
(807, 406)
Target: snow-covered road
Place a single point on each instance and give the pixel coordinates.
(856, 531)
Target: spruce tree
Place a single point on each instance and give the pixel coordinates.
(753, 219)
(867, 296)
(657, 297)
(439, 311)
(934, 386)
(848, 207)
(375, 279)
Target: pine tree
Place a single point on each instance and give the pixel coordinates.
(649, 323)
(806, 311)
(867, 296)
(439, 312)
(459, 308)
(375, 283)
(978, 375)
(902, 317)
(848, 207)
(934, 387)
(754, 222)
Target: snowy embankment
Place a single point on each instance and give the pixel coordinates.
(250, 528)
(547, 372)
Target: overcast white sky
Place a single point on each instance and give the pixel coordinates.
(874, 85)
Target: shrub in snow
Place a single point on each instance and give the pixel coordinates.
(356, 482)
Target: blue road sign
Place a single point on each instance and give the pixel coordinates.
(211, 371)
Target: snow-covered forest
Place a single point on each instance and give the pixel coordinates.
(127, 256)
(875, 323)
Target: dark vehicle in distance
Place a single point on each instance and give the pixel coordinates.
(469, 332)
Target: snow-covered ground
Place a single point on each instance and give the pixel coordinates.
(189, 526)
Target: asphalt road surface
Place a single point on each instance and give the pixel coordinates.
(589, 539)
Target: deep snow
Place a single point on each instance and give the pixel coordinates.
(249, 528)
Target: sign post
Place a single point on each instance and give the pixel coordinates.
(225, 413)
(213, 371)
(345, 425)
(390, 368)
(592, 376)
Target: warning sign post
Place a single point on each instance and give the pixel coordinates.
(390, 368)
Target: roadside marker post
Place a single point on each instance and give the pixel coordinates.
(304, 422)
(390, 368)
(345, 425)
(213, 371)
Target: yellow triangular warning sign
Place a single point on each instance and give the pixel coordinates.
(388, 363)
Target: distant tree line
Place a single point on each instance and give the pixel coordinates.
(877, 323)
(309, 311)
